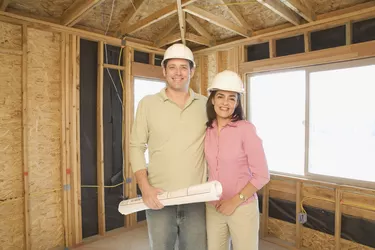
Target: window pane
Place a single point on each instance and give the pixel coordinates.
(277, 109)
(342, 123)
(142, 88)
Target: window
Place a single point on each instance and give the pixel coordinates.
(142, 88)
(342, 123)
(340, 126)
(277, 109)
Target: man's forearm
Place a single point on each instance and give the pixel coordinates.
(142, 180)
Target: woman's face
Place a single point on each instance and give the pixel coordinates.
(225, 102)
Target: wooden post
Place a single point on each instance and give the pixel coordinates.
(307, 43)
(25, 159)
(298, 211)
(272, 48)
(265, 203)
(100, 141)
(348, 31)
(125, 140)
(337, 218)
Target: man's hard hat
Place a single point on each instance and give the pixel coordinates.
(227, 80)
(178, 51)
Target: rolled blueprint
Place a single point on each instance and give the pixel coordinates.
(210, 191)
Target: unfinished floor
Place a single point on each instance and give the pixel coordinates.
(137, 239)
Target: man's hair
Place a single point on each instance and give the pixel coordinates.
(191, 64)
(211, 114)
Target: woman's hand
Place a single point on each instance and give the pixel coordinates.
(227, 207)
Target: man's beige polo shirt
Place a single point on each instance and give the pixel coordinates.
(175, 140)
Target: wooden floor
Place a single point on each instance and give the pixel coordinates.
(137, 239)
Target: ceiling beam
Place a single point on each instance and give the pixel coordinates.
(236, 15)
(181, 21)
(4, 4)
(283, 11)
(304, 11)
(132, 13)
(155, 17)
(77, 11)
(166, 31)
(168, 40)
(199, 39)
(201, 13)
(199, 28)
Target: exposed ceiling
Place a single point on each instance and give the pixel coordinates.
(162, 22)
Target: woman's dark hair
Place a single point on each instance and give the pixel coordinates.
(211, 114)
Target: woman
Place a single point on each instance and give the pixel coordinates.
(236, 159)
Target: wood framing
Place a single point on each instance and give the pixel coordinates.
(343, 53)
(25, 129)
(134, 11)
(193, 23)
(77, 11)
(165, 33)
(236, 15)
(333, 20)
(198, 39)
(201, 13)
(181, 21)
(169, 39)
(4, 4)
(280, 9)
(100, 142)
(147, 70)
(153, 18)
(305, 12)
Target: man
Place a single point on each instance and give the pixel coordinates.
(172, 124)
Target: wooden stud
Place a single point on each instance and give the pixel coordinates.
(25, 160)
(307, 41)
(152, 59)
(112, 66)
(100, 142)
(348, 31)
(265, 201)
(337, 218)
(272, 48)
(63, 140)
(298, 211)
(125, 138)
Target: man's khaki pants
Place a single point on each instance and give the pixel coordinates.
(242, 227)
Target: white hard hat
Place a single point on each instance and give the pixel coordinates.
(178, 51)
(227, 80)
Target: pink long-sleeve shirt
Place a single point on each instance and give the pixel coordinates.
(235, 158)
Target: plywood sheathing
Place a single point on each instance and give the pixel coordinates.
(10, 36)
(282, 230)
(43, 137)
(42, 8)
(324, 6)
(258, 16)
(11, 177)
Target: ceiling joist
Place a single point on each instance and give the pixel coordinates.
(236, 15)
(304, 11)
(201, 13)
(199, 40)
(4, 5)
(283, 11)
(199, 28)
(181, 21)
(132, 13)
(77, 11)
(168, 40)
(155, 17)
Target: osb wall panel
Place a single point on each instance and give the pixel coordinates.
(196, 79)
(43, 137)
(211, 68)
(10, 36)
(11, 177)
(282, 230)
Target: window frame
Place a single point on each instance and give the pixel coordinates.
(308, 70)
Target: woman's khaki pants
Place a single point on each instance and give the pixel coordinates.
(242, 227)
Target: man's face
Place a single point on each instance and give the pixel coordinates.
(178, 74)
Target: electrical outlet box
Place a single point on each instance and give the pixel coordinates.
(302, 218)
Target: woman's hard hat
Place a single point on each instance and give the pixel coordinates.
(178, 51)
(227, 80)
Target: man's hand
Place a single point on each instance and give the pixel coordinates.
(149, 196)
